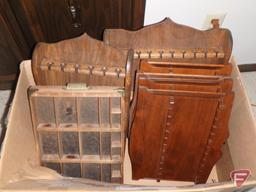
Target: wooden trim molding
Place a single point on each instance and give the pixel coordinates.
(8, 81)
(247, 67)
(11, 77)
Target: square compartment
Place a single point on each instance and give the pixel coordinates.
(48, 144)
(66, 111)
(104, 112)
(72, 169)
(116, 153)
(115, 173)
(92, 171)
(106, 173)
(90, 143)
(105, 145)
(116, 120)
(116, 103)
(88, 112)
(116, 139)
(44, 108)
(70, 145)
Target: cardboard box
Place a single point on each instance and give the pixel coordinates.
(19, 169)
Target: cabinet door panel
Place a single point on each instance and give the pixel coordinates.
(45, 20)
(9, 52)
(13, 47)
(54, 20)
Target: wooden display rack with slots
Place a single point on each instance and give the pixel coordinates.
(80, 133)
(182, 99)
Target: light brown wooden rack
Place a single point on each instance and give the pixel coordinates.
(80, 133)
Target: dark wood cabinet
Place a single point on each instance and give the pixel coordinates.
(9, 52)
(23, 23)
(44, 20)
(13, 48)
(55, 20)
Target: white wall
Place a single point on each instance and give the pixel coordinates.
(240, 19)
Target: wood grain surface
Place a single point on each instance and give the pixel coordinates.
(184, 131)
(182, 99)
(172, 40)
(63, 19)
(178, 67)
(79, 60)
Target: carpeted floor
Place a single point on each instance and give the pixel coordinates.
(5, 101)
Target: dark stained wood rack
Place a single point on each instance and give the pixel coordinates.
(182, 98)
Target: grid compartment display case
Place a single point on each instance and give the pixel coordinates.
(80, 133)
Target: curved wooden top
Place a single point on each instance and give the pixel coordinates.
(171, 36)
(58, 63)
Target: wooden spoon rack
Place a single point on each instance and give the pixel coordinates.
(182, 99)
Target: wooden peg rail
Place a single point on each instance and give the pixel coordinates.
(171, 40)
(118, 72)
(178, 54)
